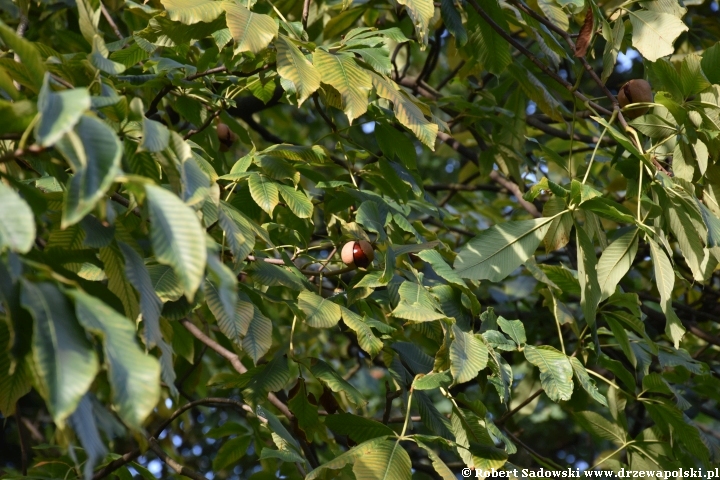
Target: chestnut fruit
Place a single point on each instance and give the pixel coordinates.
(635, 91)
(357, 253)
(226, 136)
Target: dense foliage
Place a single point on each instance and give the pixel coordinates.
(178, 179)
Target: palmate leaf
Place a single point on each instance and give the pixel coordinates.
(17, 223)
(177, 237)
(655, 32)
(193, 11)
(64, 359)
(615, 262)
(342, 72)
(93, 151)
(134, 375)
(252, 31)
(497, 251)
(556, 372)
(294, 67)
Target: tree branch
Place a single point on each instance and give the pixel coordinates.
(579, 95)
(234, 361)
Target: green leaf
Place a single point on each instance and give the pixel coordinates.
(514, 329)
(156, 136)
(655, 32)
(437, 262)
(93, 151)
(232, 314)
(537, 92)
(490, 49)
(193, 11)
(372, 216)
(359, 429)
(342, 73)
(99, 58)
(601, 427)
(65, 362)
(366, 339)
(15, 376)
(264, 191)
(297, 201)
(177, 237)
(28, 53)
(377, 58)
(468, 355)
(432, 381)
(615, 262)
(351, 456)
(420, 12)
(258, 339)
(134, 375)
(59, 112)
(17, 223)
(407, 112)
(710, 58)
(556, 372)
(295, 68)
(238, 232)
(453, 21)
(320, 312)
(497, 251)
(386, 460)
(416, 312)
(586, 382)
(231, 452)
(252, 31)
(330, 378)
(83, 422)
(590, 292)
(665, 280)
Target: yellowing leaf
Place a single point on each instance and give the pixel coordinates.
(252, 31)
(654, 33)
(193, 11)
(344, 74)
(294, 67)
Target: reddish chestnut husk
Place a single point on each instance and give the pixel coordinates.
(357, 253)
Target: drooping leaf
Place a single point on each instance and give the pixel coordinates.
(556, 372)
(17, 224)
(294, 67)
(134, 375)
(345, 75)
(178, 239)
(64, 359)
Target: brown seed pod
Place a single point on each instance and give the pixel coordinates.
(226, 136)
(635, 91)
(357, 253)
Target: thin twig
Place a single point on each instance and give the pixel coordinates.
(205, 124)
(234, 361)
(305, 13)
(519, 46)
(180, 469)
(112, 23)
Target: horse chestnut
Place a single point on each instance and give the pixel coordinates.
(635, 91)
(357, 253)
(226, 136)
